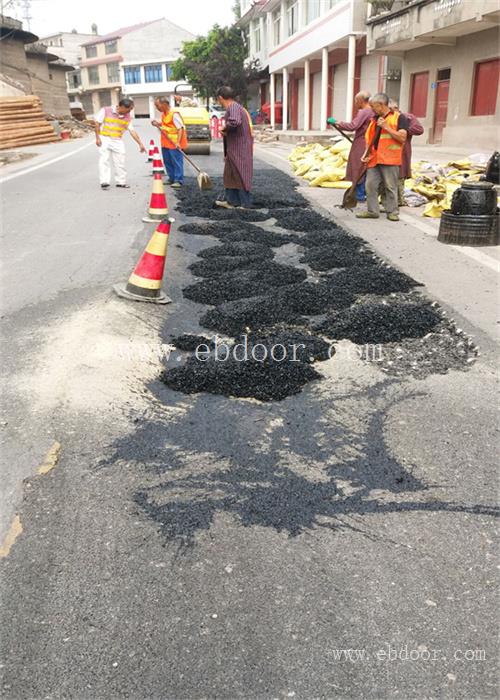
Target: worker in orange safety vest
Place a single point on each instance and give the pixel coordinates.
(385, 137)
(173, 141)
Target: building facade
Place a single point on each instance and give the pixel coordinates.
(13, 60)
(48, 78)
(315, 53)
(133, 61)
(449, 53)
(67, 45)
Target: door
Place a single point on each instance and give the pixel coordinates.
(441, 109)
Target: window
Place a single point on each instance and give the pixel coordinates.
(484, 95)
(276, 27)
(74, 80)
(313, 10)
(256, 38)
(93, 73)
(168, 71)
(292, 12)
(153, 73)
(418, 93)
(111, 46)
(91, 51)
(444, 74)
(132, 74)
(113, 72)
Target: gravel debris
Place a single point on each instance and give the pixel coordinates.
(437, 352)
(313, 298)
(367, 323)
(265, 381)
(243, 283)
(218, 230)
(298, 343)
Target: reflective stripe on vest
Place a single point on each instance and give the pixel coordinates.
(170, 133)
(389, 151)
(114, 125)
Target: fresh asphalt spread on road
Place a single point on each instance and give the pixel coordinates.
(336, 543)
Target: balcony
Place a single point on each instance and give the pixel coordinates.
(413, 24)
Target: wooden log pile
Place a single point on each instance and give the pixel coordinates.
(24, 123)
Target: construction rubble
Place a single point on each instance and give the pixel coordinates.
(432, 184)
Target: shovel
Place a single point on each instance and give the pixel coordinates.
(204, 181)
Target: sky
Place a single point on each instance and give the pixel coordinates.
(51, 16)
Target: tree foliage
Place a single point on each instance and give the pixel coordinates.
(213, 60)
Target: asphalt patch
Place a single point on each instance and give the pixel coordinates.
(297, 344)
(314, 298)
(263, 311)
(237, 248)
(322, 258)
(301, 220)
(243, 283)
(370, 323)
(263, 380)
(373, 279)
(332, 236)
(189, 342)
(218, 230)
(213, 267)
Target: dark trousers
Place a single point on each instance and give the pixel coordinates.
(238, 198)
(174, 164)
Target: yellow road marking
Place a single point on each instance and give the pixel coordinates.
(14, 531)
(51, 459)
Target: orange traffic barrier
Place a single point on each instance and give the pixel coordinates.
(151, 151)
(158, 208)
(144, 283)
(157, 162)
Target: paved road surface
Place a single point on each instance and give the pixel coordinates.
(317, 538)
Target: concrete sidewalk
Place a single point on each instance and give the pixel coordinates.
(463, 279)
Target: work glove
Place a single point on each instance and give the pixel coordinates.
(331, 120)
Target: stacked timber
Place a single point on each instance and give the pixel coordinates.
(23, 122)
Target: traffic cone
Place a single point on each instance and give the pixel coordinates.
(144, 283)
(157, 163)
(158, 208)
(151, 151)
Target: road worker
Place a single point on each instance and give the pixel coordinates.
(110, 125)
(173, 141)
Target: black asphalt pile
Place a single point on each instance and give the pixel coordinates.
(323, 258)
(295, 344)
(218, 230)
(258, 312)
(243, 283)
(260, 235)
(437, 352)
(296, 219)
(190, 342)
(213, 267)
(370, 323)
(272, 188)
(265, 381)
(234, 214)
(314, 298)
(237, 248)
(331, 236)
(372, 279)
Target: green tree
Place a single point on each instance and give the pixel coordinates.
(217, 59)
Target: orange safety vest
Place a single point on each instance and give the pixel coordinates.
(389, 151)
(170, 133)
